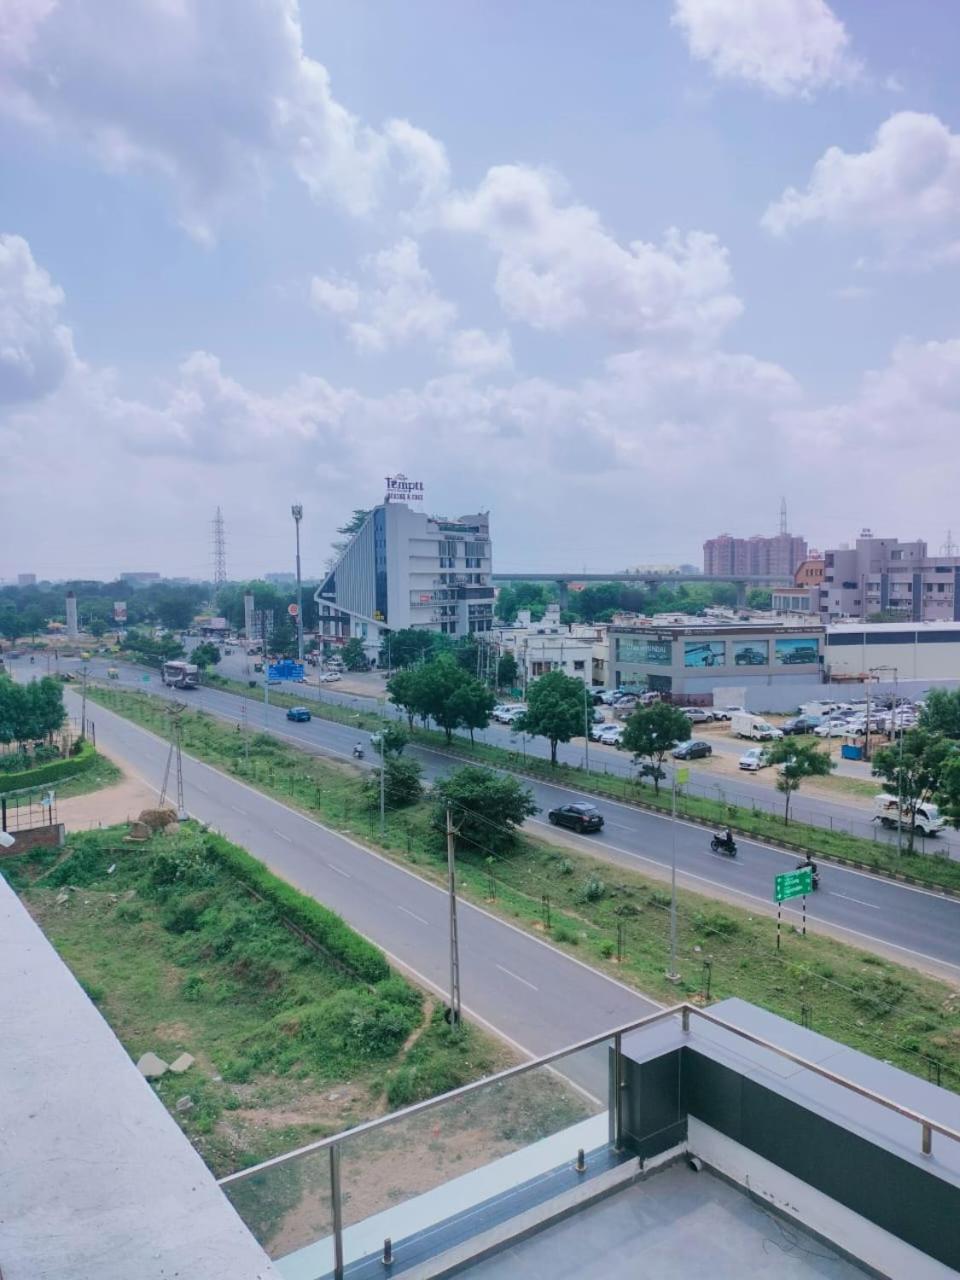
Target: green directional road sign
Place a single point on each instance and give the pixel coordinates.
(795, 884)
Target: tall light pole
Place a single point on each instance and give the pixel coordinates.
(297, 512)
(896, 723)
(586, 730)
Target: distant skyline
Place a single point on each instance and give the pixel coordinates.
(621, 277)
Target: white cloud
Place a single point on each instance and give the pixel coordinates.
(788, 47)
(479, 351)
(337, 295)
(559, 267)
(905, 189)
(205, 95)
(36, 348)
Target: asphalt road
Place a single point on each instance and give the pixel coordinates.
(866, 908)
(528, 992)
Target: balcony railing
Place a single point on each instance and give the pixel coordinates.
(435, 1174)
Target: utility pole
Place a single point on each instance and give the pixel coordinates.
(383, 783)
(586, 730)
(896, 726)
(266, 667)
(297, 512)
(672, 975)
(454, 941)
(83, 701)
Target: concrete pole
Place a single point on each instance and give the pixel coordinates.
(297, 512)
(454, 939)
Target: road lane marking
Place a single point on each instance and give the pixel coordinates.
(203, 790)
(281, 835)
(340, 871)
(236, 809)
(859, 901)
(407, 912)
(516, 976)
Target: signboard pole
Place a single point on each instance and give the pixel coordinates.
(778, 926)
(804, 900)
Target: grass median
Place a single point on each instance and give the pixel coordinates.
(615, 919)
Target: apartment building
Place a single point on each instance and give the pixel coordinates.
(884, 576)
(779, 555)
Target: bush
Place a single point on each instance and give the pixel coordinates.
(716, 923)
(592, 889)
(44, 774)
(327, 929)
(185, 916)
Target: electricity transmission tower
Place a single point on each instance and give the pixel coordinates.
(219, 550)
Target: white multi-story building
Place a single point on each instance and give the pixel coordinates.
(551, 645)
(407, 569)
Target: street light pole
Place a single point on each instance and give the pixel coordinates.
(586, 731)
(297, 512)
(454, 938)
(672, 975)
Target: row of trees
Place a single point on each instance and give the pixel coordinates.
(30, 712)
(442, 691)
(598, 601)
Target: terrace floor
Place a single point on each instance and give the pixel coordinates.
(676, 1224)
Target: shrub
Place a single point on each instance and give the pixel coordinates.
(185, 916)
(43, 774)
(715, 923)
(592, 889)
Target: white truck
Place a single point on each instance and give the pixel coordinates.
(745, 725)
(925, 816)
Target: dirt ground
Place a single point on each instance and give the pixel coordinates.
(119, 803)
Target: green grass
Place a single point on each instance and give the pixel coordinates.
(883, 1008)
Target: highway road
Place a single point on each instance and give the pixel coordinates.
(917, 924)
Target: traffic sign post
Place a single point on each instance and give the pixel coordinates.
(792, 884)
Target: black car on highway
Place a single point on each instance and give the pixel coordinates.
(692, 750)
(579, 817)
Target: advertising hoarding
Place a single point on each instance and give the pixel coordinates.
(400, 489)
(704, 653)
(751, 653)
(795, 651)
(644, 651)
(120, 611)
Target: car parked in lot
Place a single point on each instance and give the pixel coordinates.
(800, 724)
(329, 677)
(507, 714)
(609, 735)
(579, 817)
(692, 750)
(835, 729)
(300, 714)
(754, 759)
(697, 715)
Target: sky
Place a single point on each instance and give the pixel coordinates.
(622, 274)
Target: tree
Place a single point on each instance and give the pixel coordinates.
(759, 598)
(486, 808)
(175, 610)
(507, 671)
(555, 709)
(404, 691)
(392, 740)
(354, 658)
(913, 770)
(444, 692)
(941, 712)
(32, 711)
(10, 627)
(406, 647)
(352, 526)
(473, 704)
(206, 654)
(797, 761)
(947, 792)
(652, 732)
(402, 784)
(97, 627)
(32, 620)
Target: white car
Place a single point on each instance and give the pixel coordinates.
(509, 714)
(328, 677)
(610, 735)
(697, 715)
(754, 759)
(597, 731)
(835, 729)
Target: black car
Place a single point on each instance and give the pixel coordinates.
(799, 724)
(581, 817)
(299, 714)
(692, 750)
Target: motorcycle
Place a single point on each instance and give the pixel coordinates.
(358, 753)
(727, 847)
(803, 866)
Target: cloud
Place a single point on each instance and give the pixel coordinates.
(789, 47)
(339, 296)
(479, 351)
(905, 190)
(558, 267)
(206, 96)
(36, 348)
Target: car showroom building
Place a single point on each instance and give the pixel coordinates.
(696, 658)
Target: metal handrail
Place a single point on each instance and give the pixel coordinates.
(684, 1010)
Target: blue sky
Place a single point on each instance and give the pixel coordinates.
(621, 274)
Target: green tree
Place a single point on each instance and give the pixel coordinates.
(97, 627)
(555, 709)
(32, 620)
(206, 654)
(392, 740)
(444, 692)
(402, 784)
(175, 610)
(407, 647)
(914, 772)
(487, 808)
(759, 598)
(947, 792)
(651, 732)
(354, 658)
(797, 760)
(941, 712)
(473, 705)
(10, 626)
(282, 641)
(404, 690)
(507, 671)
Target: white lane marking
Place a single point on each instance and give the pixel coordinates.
(236, 809)
(339, 870)
(203, 790)
(281, 835)
(407, 912)
(859, 901)
(619, 826)
(516, 976)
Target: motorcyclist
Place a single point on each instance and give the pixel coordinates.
(358, 751)
(726, 837)
(809, 864)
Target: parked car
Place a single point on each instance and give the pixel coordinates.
(509, 714)
(610, 735)
(697, 715)
(579, 817)
(800, 724)
(754, 759)
(598, 696)
(835, 729)
(329, 677)
(692, 750)
(598, 717)
(300, 714)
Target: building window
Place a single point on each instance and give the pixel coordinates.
(896, 555)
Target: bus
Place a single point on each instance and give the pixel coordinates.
(181, 675)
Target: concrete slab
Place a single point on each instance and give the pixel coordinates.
(152, 1067)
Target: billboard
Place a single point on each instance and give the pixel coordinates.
(751, 653)
(120, 611)
(400, 489)
(704, 653)
(657, 652)
(796, 651)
